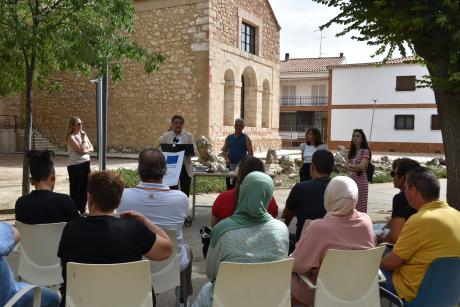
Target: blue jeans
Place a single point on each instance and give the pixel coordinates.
(49, 299)
(9, 287)
(388, 284)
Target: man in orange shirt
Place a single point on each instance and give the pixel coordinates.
(430, 233)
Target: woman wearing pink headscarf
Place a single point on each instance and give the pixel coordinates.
(343, 227)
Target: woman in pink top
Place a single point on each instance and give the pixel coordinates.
(343, 227)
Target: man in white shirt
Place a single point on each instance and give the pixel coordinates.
(178, 135)
(164, 207)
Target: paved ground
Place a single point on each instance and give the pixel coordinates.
(380, 196)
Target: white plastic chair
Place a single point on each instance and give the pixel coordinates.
(108, 285)
(165, 274)
(348, 278)
(38, 260)
(22, 292)
(253, 284)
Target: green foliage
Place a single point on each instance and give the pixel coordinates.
(131, 177)
(42, 37)
(203, 184)
(430, 28)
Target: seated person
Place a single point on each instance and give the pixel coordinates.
(165, 207)
(103, 238)
(306, 199)
(43, 206)
(430, 233)
(250, 235)
(343, 227)
(225, 203)
(8, 286)
(401, 210)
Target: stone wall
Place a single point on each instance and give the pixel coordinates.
(228, 63)
(141, 106)
(190, 82)
(226, 18)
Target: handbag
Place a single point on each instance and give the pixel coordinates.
(205, 233)
(370, 171)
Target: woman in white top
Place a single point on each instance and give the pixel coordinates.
(79, 147)
(313, 142)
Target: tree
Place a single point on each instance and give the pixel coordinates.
(432, 30)
(41, 37)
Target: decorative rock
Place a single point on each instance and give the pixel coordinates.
(271, 157)
(204, 147)
(433, 162)
(384, 159)
(287, 164)
(298, 162)
(273, 169)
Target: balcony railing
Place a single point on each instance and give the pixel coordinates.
(308, 101)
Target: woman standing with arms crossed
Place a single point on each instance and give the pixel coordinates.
(358, 159)
(79, 147)
(313, 142)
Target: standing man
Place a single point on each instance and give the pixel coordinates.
(430, 233)
(237, 146)
(177, 135)
(165, 207)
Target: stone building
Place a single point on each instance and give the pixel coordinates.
(222, 62)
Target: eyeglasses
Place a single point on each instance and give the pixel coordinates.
(175, 140)
(393, 173)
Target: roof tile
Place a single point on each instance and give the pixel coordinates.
(310, 64)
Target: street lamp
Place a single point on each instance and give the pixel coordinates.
(372, 120)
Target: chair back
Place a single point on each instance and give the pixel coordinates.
(38, 260)
(109, 285)
(440, 286)
(253, 284)
(349, 278)
(166, 274)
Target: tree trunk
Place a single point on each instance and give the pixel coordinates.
(449, 113)
(27, 133)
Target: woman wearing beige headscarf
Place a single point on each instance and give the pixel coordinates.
(343, 227)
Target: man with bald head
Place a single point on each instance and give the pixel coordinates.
(164, 207)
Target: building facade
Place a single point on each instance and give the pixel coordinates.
(384, 101)
(304, 97)
(222, 62)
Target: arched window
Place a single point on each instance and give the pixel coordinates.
(248, 108)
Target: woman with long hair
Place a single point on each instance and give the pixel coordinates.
(78, 167)
(313, 142)
(359, 157)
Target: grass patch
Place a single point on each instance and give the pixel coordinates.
(206, 185)
(203, 184)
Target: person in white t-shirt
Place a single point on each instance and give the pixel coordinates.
(313, 142)
(163, 206)
(79, 147)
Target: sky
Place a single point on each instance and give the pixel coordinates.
(300, 20)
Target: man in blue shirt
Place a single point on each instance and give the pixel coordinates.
(237, 146)
(8, 286)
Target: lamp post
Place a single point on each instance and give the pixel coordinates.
(372, 121)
